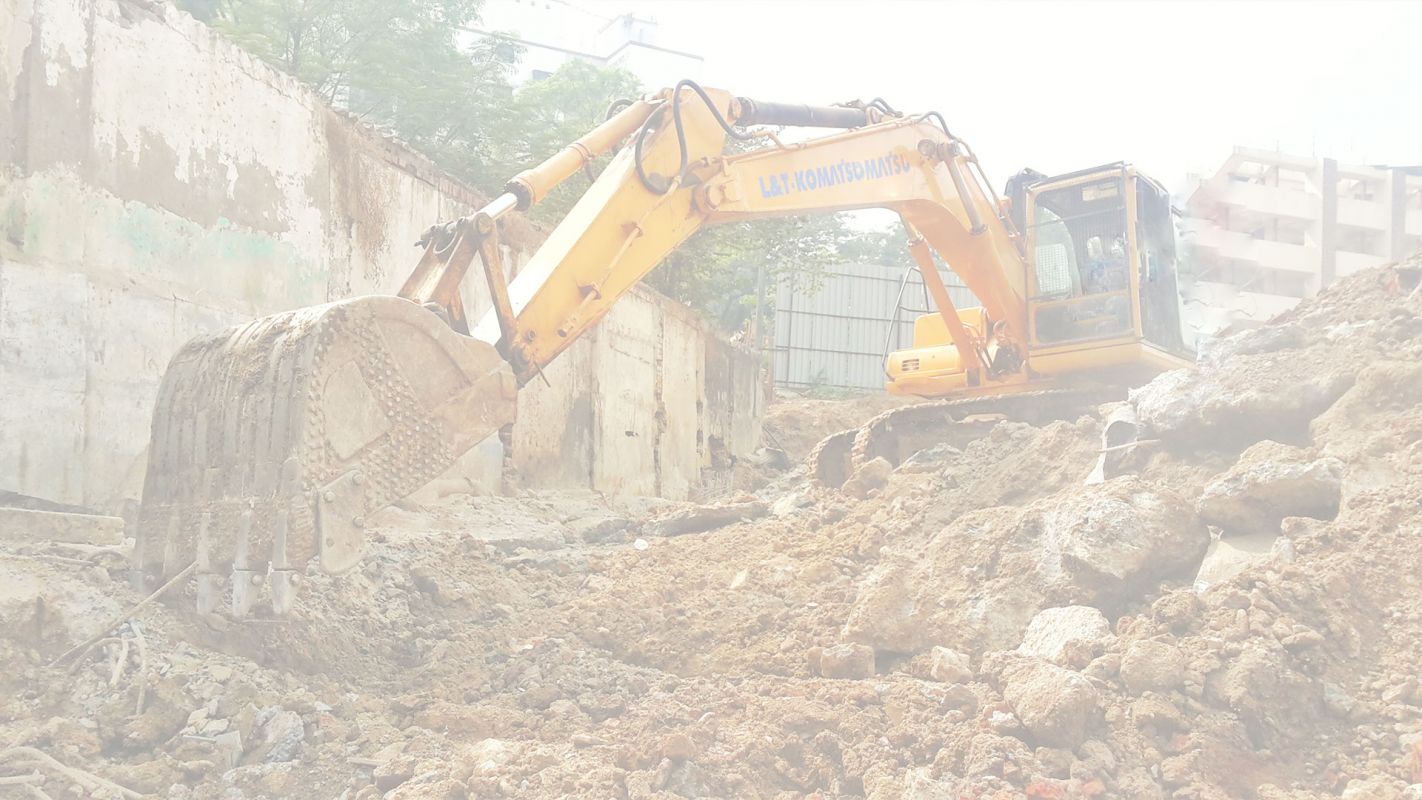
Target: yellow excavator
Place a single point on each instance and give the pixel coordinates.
(273, 442)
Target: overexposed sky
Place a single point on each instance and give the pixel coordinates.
(1059, 86)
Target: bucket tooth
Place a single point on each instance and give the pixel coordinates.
(242, 594)
(362, 400)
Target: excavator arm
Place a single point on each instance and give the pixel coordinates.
(274, 442)
(676, 177)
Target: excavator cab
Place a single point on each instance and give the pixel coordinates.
(1102, 299)
(1101, 281)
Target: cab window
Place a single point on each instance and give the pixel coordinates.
(1081, 264)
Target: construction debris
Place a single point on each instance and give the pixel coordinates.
(1232, 613)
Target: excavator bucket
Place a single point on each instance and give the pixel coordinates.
(273, 442)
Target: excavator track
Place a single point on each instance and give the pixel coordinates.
(273, 442)
(898, 433)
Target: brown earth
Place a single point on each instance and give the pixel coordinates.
(562, 645)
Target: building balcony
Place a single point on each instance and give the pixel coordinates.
(1264, 200)
(1235, 246)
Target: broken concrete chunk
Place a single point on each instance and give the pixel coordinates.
(949, 666)
(1271, 481)
(282, 733)
(598, 530)
(847, 661)
(704, 518)
(1056, 706)
(869, 476)
(1069, 636)
(788, 504)
(1227, 558)
(1254, 398)
(1151, 665)
(1112, 540)
(29, 525)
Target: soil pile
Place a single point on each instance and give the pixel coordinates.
(1235, 615)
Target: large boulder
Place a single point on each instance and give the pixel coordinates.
(1271, 698)
(1115, 540)
(947, 665)
(1152, 665)
(1057, 706)
(1242, 399)
(1066, 636)
(1271, 481)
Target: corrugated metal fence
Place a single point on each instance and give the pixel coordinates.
(835, 337)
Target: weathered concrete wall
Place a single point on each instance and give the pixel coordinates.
(157, 182)
(656, 403)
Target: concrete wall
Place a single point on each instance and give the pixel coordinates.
(157, 182)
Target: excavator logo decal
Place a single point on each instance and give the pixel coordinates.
(843, 171)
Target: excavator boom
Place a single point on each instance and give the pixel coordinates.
(273, 442)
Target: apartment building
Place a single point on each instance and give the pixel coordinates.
(1270, 228)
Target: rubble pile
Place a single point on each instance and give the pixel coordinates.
(1235, 614)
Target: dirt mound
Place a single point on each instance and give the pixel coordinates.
(977, 623)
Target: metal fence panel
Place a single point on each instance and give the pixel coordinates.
(835, 337)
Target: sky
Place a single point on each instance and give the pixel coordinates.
(1059, 86)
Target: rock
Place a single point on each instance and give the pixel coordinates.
(1066, 636)
(1116, 539)
(704, 518)
(427, 580)
(788, 504)
(949, 666)
(279, 737)
(1226, 558)
(677, 746)
(1151, 665)
(1249, 398)
(688, 779)
(25, 525)
(959, 697)
(1056, 706)
(1337, 701)
(847, 661)
(978, 582)
(429, 788)
(1265, 692)
(394, 772)
(599, 530)
(483, 758)
(870, 475)
(457, 718)
(1375, 787)
(1271, 481)
(1155, 711)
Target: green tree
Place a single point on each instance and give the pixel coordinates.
(546, 115)
(887, 247)
(396, 63)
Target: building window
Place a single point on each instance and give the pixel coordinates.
(541, 75)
